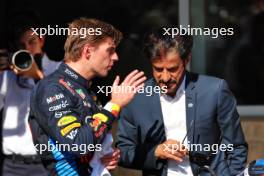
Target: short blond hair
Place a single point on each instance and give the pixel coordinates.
(75, 42)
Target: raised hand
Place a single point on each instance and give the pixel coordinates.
(123, 93)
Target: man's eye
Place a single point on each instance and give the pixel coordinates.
(31, 41)
(158, 69)
(112, 51)
(174, 69)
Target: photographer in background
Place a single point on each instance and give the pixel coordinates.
(20, 157)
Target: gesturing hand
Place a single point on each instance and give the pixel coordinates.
(122, 94)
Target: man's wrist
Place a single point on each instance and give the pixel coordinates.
(156, 151)
(113, 108)
(116, 102)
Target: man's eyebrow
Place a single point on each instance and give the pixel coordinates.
(31, 38)
(157, 67)
(112, 48)
(173, 67)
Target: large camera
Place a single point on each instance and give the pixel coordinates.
(22, 60)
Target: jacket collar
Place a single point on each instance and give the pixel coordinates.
(68, 72)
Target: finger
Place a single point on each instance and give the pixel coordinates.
(139, 82)
(179, 148)
(173, 157)
(112, 163)
(116, 81)
(139, 87)
(176, 153)
(111, 156)
(116, 153)
(135, 77)
(11, 67)
(117, 150)
(110, 167)
(108, 161)
(183, 150)
(129, 76)
(16, 71)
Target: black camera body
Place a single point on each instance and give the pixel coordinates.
(203, 161)
(200, 159)
(22, 60)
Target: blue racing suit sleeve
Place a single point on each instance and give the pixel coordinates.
(59, 113)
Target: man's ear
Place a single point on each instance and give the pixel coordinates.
(86, 52)
(188, 59)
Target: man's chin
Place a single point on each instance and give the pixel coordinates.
(103, 74)
(171, 91)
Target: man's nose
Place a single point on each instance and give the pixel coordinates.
(114, 57)
(165, 76)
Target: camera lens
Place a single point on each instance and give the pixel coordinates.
(22, 60)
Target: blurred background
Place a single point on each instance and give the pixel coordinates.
(239, 58)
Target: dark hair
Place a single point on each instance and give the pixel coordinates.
(21, 22)
(156, 44)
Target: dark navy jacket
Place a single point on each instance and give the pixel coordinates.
(212, 118)
(64, 111)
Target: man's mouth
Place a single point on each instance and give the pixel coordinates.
(168, 85)
(109, 67)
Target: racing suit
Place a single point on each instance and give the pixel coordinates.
(65, 119)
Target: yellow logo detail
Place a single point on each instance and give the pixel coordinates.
(68, 128)
(66, 120)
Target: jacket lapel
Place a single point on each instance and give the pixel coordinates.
(155, 102)
(190, 106)
(156, 111)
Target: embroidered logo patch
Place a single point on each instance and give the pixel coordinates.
(68, 128)
(66, 120)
